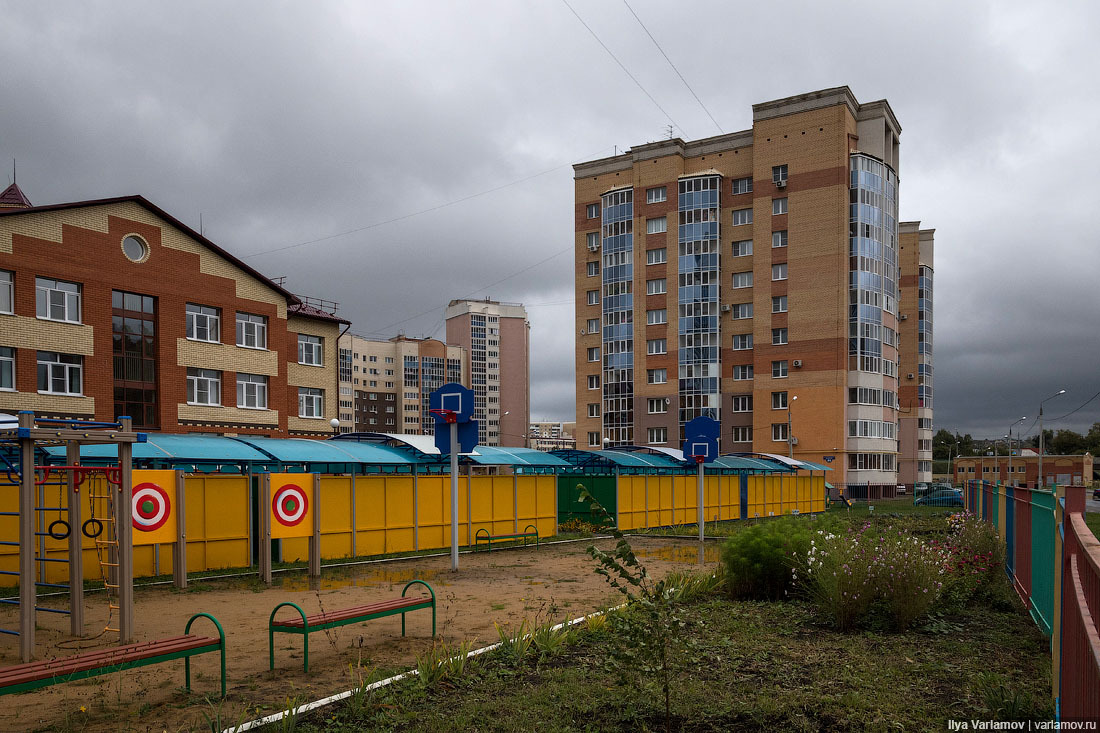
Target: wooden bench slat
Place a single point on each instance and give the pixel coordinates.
(106, 658)
(91, 654)
(350, 613)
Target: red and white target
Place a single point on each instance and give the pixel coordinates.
(151, 507)
(289, 505)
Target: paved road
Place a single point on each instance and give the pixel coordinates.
(1091, 505)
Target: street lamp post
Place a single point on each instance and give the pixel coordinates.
(1010, 448)
(790, 435)
(1042, 443)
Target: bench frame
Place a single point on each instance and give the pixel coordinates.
(525, 535)
(119, 665)
(308, 628)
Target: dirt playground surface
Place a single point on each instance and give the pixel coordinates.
(504, 586)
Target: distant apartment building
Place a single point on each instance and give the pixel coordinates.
(113, 307)
(549, 435)
(756, 277)
(1074, 470)
(497, 338)
(385, 383)
(915, 257)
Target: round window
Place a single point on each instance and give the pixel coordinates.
(134, 248)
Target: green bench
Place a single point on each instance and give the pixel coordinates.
(528, 532)
(34, 675)
(320, 621)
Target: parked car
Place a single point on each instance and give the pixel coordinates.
(1096, 494)
(941, 497)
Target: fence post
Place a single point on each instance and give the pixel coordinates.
(76, 543)
(179, 549)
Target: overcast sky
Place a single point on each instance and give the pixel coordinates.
(424, 150)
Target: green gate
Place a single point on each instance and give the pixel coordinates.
(569, 506)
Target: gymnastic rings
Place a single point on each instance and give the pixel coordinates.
(98, 525)
(60, 534)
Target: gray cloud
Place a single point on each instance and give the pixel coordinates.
(282, 123)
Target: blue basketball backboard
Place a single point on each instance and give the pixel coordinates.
(467, 436)
(455, 397)
(701, 438)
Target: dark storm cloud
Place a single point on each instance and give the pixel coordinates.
(284, 123)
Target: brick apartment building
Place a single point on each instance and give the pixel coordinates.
(1073, 470)
(385, 383)
(757, 277)
(113, 307)
(497, 337)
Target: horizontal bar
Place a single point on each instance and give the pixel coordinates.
(78, 423)
(52, 610)
(9, 631)
(51, 559)
(9, 572)
(49, 508)
(8, 542)
(51, 585)
(9, 514)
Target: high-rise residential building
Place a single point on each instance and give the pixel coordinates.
(551, 435)
(385, 383)
(113, 307)
(752, 277)
(497, 337)
(915, 349)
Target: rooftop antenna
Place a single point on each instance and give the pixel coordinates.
(668, 129)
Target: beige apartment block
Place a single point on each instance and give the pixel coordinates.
(385, 383)
(915, 371)
(753, 277)
(497, 337)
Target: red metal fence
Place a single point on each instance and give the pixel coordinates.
(1079, 673)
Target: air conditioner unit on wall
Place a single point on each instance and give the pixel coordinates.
(903, 317)
(727, 308)
(594, 247)
(797, 362)
(910, 375)
(794, 440)
(583, 332)
(781, 183)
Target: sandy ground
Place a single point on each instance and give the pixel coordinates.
(505, 586)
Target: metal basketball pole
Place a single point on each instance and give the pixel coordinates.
(27, 588)
(454, 496)
(124, 533)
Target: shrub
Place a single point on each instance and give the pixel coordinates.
(974, 555)
(577, 526)
(757, 561)
(909, 576)
(840, 577)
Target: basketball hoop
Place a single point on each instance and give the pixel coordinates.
(448, 416)
(699, 459)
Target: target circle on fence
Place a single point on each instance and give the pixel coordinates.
(151, 507)
(289, 505)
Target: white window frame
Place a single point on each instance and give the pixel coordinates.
(656, 225)
(593, 297)
(779, 400)
(779, 304)
(657, 435)
(51, 300)
(310, 350)
(742, 341)
(657, 256)
(592, 211)
(7, 292)
(593, 409)
(741, 311)
(7, 367)
(779, 271)
(656, 346)
(742, 217)
(742, 434)
(65, 370)
(779, 239)
(593, 269)
(656, 405)
(742, 248)
(779, 173)
(742, 372)
(311, 402)
(779, 432)
(780, 369)
(742, 279)
(203, 318)
(779, 206)
(251, 327)
(741, 403)
(656, 376)
(741, 185)
(658, 286)
(779, 337)
(251, 391)
(656, 195)
(593, 439)
(656, 317)
(593, 353)
(211, 382)
(593, 325)
(592, 240)
(593, 381)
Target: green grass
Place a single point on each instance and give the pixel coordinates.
(753, 665)
(1092, 519)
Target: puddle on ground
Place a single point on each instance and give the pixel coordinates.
(680, 553)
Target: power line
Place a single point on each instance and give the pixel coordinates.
(672, 65)
(621, 66)
(1090, 399)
